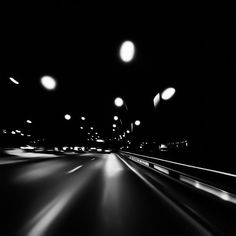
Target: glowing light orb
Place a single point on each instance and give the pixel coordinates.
(168, 93)
(127, 51)
(48, 82)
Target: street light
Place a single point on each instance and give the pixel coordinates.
(115, 118)
(127, 51)
(119, 102)
(48, 82)
(67, 117)
(168, 93)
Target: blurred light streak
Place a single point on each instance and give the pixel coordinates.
(156, 100)
(43, 219)
(113, 188)
(19, 152)
(6, 162)
(100, 141)
(75, 169)
(210, 189)
(29, 121)
(179, 210)
(161, 169)
(27, 147)
(112, 166)
(13, 80)
(37, 171)
(186, 165)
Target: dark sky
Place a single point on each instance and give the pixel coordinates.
(191, 48)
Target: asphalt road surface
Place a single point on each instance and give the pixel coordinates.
(102, 194)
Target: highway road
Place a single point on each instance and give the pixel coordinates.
(102, 194)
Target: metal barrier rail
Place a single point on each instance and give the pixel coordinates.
(181, 176)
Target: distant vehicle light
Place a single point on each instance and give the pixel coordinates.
(168, 93)
(137, 122)
(13, 132)
(114, 125)
(29, 121)
(115, 118)
(48, 82)
(82, 118)
(127, 51)
(119, 102)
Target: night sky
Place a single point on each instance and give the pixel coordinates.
(190, 48)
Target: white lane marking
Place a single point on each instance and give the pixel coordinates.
(93, 159)
(185, 165)
(73, 170)
(210, 189)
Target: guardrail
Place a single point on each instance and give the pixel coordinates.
(211, 181)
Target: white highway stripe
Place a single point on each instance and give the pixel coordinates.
(185, 165)
(73, 170)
